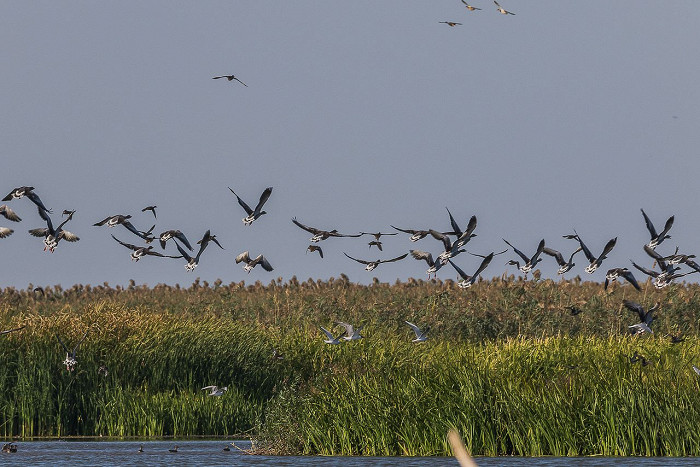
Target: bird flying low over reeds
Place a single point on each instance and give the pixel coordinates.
(595, 262)
(645, 317)
(352, 333)
(615, 273)
(467, 280)
(421, 334)
(253, 214)
(215, 391)
(53, 235)
(138, 252)
(330, 340)
(530, 262)
(250, 263)
(371, 265)
(657, 238)
(70, 362)
(321, 234)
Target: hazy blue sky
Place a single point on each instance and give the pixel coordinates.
(360, 114)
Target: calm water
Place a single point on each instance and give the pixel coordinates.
(210, 453)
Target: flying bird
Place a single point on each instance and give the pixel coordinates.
(27, 191)
(530, 262)
(370, 265)
(192, 262)
(564, 266)
(377, 235)
(467, 281)
(253, 214)
(208, 237)
(469, 7)
(657, 238)
(230, 78)
(451, 23)
(251, 263)
(152, 209)
(138, 252)
(595, 262)
(321, 234)
(421, 334)
(120, 219)
(312, 248)
(613, 274)
(501, 10)
(330, 340)
(2, 333)
(215, 391)
(434, 266)
(645, 317)
(351, 333)
(574, 310)
(9, 214)
(53, 235)
(415, 234)
(176, 234)
(70, 362)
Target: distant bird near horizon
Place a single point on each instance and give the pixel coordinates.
(501, 10)
(28, 191)
(253, 214)
(312, 248)
(451, 23)
(657, 238)
(469, 7)
(564, 266)
(467, 280)
(530, 262)
(230, 78)
(215, 391)
(613, 274)
(595, 262)
(152, 209)
(53, 235)
(371, 265)
(70, 362)
(139, 252)
(251, 263)
(352, 333)
(319, 234)
(421, 334)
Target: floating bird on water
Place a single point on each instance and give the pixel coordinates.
(421, 334)
(467, 281)
(321, 234)
(141, 448)
(370, 265)
(469, 7)
(253, 214)
(2, 333)
(657, 238)
(152, 209)
(251, 263)
(613, 274)
(451, 23)
(329, 337)
(595, 262)
(564, 266)
(9, 447)
(70, 362)
(139, 252)
(215, 391)
(27, 191)
(53, 236)
(230, 78)
(434, 266)
(529, 262)
(168, 234)
(312, 248)
(9, 214)
(173, 449)
(501, 10)
(351, 333)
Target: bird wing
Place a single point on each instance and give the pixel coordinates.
(627, 274)
(517, 252)
(103, 221)
(453, 223)
(6, 232)
(443, 238)
(312, 230)
(355, 259)
(634, 307)
(12, 330)
(181, 236)
(128, 245)
(398, 258)
(242, 203)
(183, 252)
(667, 227)
(419, 254)
(657, 257)
(75, 349)
(327, 333)
(557, 255)
(415, 328)
(9, 214)
(245, 257)
(264, 263)
(69, 236)
(650, 226)
(62, 344)
(263, 199)
(35, 199)
(608, 248)
(586, 251)
(459, 270)
(349, 329)
(646, 271)
(41, 232)
(483, 265)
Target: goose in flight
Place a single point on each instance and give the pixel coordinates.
(657, 238)
(5, 232)
(645, 317)
(120, 219)
(665, 278)
(152, 209)
(230, 78)
(377, 235)
(312, 248)
(564, 266)
(529, 263)
(469, 7)
(434, 266)
(467, 281)
(215, 391)
(138, 252)
(27, 191)
(70, 362)
(451, 23)
(319, 234)
(421, 334)
(53, 235)
(253, 214)
(208, 237)
(330, 340)
(9, 214)
(613, 274)
(168, 234)
(251, 263)
(415, 234)
(370, 265)
(501, 10)
(351, 333)
(595, 262)
(192, 262)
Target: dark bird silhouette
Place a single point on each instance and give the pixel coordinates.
(192, 262)
(451, 23)
(613, 274)
(27, 191)
(120, 219)
(595, 262)
(312, 248)
(574, 310)
(254, 214)
(138, 252)
(657, 238)
(370, 265)
(434, 266)
(564, 266)
(377, 235)
(230, 78)
(415, 234)
(530, 262)
(645, 317)
(208, 237)
(152, 209)
(467, 280)
(319, 234)
(176, 234)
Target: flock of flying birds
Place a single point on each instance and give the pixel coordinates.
(453, 243)
(469, 7)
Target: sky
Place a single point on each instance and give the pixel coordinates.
(361, 115)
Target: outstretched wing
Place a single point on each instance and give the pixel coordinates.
(398, 258)
(355, 259)
(650, 226)
(517, 252)
(128, 245)
(242, 203)
(312, 230)
(263, 199)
